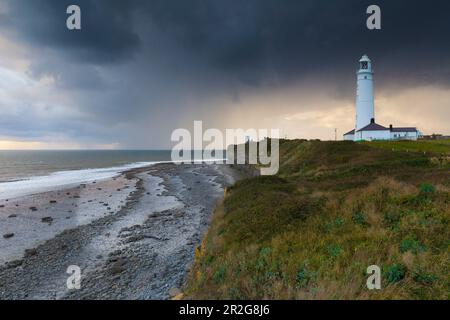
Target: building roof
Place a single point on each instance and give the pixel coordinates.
(404, 129)
(365, 57)
(350, 132)
(373, 127)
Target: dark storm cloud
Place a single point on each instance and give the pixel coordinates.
(143, 66)
(108, 36)
(254, 39)
(294, 37)
(249, 39)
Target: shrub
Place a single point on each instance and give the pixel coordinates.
(395, 273)
(265, 252)
(359, 218)
(304, 277)
(209, 260)
(426, 188)
(391, 219)
(261, 263)
(334, 250)
(424, 278)
(219, 275)
(334, 224)
(410, 243)
(235, 294)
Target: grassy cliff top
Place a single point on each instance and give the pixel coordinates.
(334, 209)
(430, 146)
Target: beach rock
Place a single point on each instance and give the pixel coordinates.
(8, 235)
(117, 267)
(14, 264)
(117, 252)
(30, 253)
(132, 228)
(12, 215)
(149, 236)
(134, 238)
(179, 214)
(174, 292)
(2, 205)
(33, 209)
(52, 201)
(47, 219)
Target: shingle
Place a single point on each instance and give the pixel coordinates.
(405, 129)
(350, 132)
(373, 127)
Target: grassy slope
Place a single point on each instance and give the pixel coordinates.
(334, 209)
(436, 146)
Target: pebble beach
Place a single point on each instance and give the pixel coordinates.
(133, 236)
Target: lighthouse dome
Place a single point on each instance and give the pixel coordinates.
(364, 58)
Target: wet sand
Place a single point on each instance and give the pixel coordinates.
(133, 236)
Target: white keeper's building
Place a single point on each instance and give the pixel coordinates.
(366, 128)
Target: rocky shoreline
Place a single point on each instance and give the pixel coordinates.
(139, 245)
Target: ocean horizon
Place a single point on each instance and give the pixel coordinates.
(24, 172)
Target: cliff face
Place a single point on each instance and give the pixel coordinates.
(334, 209)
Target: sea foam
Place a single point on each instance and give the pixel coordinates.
(62, 179)
(65, 179)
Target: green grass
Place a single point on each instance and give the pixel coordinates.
(429, 146)
(334, 209)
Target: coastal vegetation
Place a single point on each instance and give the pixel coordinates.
(431, 146)
(334, 209)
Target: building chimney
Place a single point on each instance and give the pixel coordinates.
(372, 120)
(391, 127)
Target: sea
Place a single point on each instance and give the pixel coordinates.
(28, 172)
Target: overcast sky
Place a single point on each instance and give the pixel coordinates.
(140, 69)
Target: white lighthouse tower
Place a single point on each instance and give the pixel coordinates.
(366, 129)
(365, 107)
